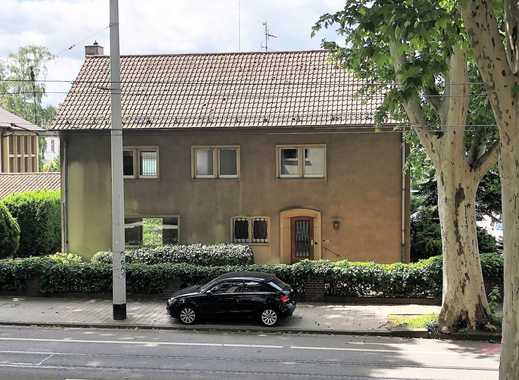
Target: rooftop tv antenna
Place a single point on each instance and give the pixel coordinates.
(268, 36)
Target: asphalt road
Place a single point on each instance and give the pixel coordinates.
(57, 353)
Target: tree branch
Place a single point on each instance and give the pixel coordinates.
(456, 104)
(476, 145)
(486, 161)
(434, 98)
(511, 8)
(414, 110)
(481, 26)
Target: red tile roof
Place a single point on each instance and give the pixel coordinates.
(240, 90)
(19, 182)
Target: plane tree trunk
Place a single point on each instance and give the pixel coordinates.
(498, 63)
(464, 301)
(509, 169)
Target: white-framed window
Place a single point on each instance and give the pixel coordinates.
(250, 229)
(215, 161)
(301, 161)
(141, 162)
(151, 231)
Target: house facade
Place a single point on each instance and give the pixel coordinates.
(273, 150)
(51, 151)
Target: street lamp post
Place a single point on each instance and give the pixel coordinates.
(116, 144)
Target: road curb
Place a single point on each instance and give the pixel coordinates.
(397, 333)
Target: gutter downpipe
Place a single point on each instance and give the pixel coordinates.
(403, 201)
(64, 192)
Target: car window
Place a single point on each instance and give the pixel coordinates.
(254, 287)
(280, 283)
(226, 287)
(275, 286)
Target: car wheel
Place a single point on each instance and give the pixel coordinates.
(269, 317)
(187, 315)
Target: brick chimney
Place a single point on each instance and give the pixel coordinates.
(94, 49)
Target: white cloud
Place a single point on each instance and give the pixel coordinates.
(155, 26)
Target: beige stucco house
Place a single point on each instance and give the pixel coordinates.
(268, 149)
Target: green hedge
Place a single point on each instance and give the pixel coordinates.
(9, 233)
(38, 214)
(216, 254)
(422, 279)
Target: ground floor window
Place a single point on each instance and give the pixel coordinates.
(250, 229)
(151, 231)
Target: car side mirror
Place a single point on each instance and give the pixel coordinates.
(209, 292)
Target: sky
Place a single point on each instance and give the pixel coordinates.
(155, 26)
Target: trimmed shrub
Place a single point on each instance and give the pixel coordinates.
(38, 214)
(66, 258)
(217, 254)
(418, 280)
(16, 274)
(9, 233)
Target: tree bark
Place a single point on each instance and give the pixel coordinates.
(499, 72)
(509, 171)
(464, 301)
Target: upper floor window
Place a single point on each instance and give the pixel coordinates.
(141, 162)
(216, 162)
(301, 161)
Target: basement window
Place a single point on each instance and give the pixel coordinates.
(151, 231)
(250, 229)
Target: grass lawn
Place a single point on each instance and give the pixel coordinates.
(412, 321)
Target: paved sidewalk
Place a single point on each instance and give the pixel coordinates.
(308, 317)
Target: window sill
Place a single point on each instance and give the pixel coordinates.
(140, 178)
(216, 178)
(252, 244)
(302, 178)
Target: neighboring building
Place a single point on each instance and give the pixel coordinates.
(51, 151)
(18, 144)
(19, 182)
(493, 226)
(268, 149)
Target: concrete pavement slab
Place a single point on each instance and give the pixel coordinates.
(308, 317)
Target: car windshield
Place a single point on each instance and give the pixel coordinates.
(209, 285)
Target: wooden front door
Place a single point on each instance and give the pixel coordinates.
(302, 231)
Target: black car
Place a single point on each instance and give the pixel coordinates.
(260, 295)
